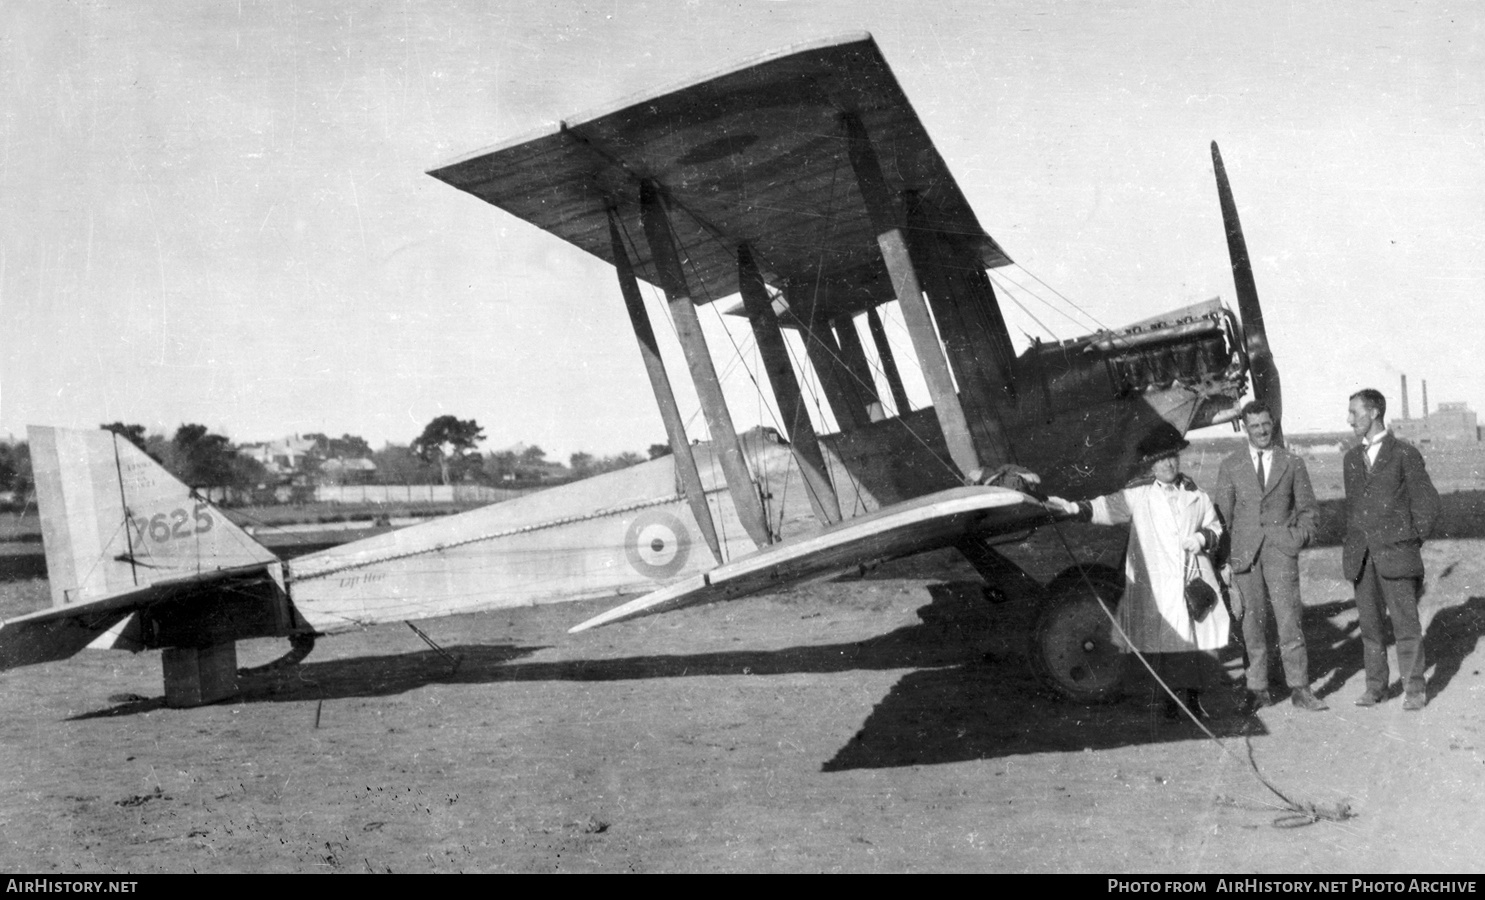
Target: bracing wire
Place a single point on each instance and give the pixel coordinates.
(809, 330)
(1000, 275)
(738, 360)
(710, 232)
(737, 350)
(810, 388)
(875, 366)
(1030, 315)
(807, 333)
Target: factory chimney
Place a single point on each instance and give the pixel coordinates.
(1405, 397)
(1425, 398)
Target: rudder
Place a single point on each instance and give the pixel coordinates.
(113, 519)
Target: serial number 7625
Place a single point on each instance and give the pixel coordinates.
(175, 525)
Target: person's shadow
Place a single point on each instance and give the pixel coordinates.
(1336, 654)
(1334, 650)
(1452, 636)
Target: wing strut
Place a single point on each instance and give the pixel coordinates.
(675, 429)
(887, 219)
(978, 352)
(703, 372)
(858, 370)
(802, 438)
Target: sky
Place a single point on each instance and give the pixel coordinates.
(218, 213)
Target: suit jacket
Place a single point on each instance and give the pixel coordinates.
(1389, 511)
(1281, 514)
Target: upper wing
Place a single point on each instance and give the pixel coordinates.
(927, 523)
(755, 154)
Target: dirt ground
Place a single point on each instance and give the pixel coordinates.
(887, 724)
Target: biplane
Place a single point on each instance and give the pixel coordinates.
(804, 184)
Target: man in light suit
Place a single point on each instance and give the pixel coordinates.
(1391, 506)
(1264, 496)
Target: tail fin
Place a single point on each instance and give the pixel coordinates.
(113, 519)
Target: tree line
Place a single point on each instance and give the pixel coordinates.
(446, 452)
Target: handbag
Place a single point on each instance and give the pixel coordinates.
(1201, 597)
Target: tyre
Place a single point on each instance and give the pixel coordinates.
(1072, 642)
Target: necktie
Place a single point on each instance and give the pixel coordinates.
(1262, 479)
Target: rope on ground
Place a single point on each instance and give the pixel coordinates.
(1300, 813)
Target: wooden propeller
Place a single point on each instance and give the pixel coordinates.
(1261, 365)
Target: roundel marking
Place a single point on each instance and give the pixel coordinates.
(657, 544)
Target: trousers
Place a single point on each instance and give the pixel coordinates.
(1272, 586)
(1398, 599)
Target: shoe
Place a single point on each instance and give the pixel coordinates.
(1304, 698)
(1253, 701)
(1370, 698)
(1415, 702)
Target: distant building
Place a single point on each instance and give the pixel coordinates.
(1451, 422)
(281, 457)
(347, 471)
(298, 459)
(548, 471)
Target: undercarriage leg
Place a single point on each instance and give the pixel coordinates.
(1004, 580)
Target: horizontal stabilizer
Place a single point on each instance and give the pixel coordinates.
(42, 638)
(927, 523)
(61, 631)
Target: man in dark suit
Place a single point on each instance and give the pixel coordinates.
(1264, 496)
(1391, 506)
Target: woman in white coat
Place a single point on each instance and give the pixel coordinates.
(1172, 527)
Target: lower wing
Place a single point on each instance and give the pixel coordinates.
(926, 523)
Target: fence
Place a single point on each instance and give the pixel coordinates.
(412, 493)
(368, 493)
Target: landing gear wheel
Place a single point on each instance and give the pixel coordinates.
(1072, 643)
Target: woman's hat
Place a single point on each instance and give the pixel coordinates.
(1164, 440)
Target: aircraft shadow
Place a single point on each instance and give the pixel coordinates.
(982, 709)
(362, 676)
(962, 703)
(992, 706)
